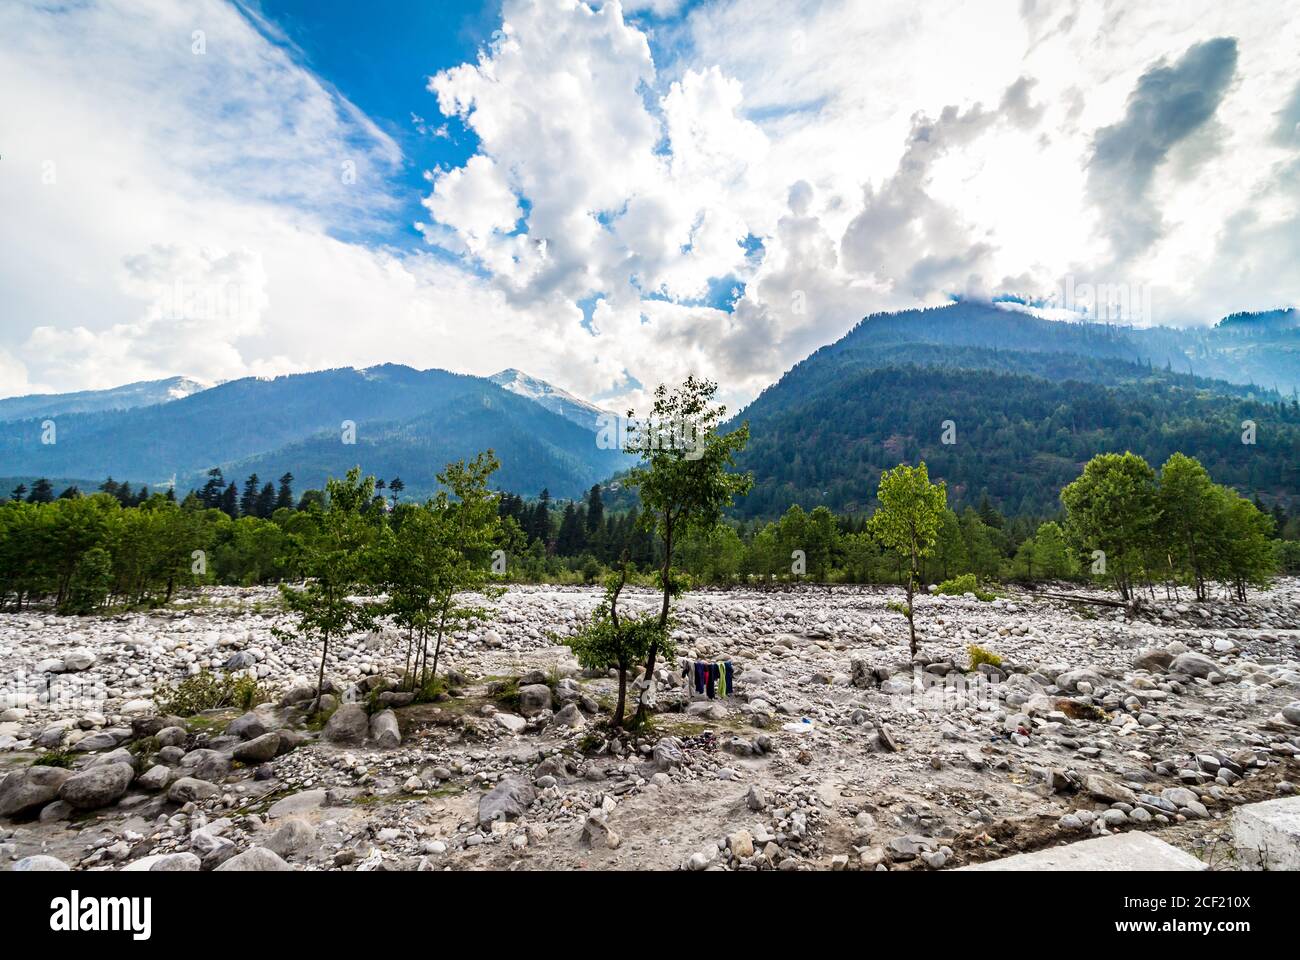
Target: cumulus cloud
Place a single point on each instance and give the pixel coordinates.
(655, 189)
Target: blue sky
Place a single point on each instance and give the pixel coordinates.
(626, 193)
(380, 56)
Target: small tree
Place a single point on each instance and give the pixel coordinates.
(610, 640)
(683, 479)
(437, 551)
(908, 522)
(335, 563)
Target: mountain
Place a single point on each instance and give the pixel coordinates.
(1031, 400)
(127, 397)
(408, 423)
(559, 401)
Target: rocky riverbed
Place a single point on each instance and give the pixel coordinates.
(835, 751)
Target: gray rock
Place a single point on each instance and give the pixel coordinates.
(348, 724)
(191, 790)
(96, 741)
(384, 730)
(1194, 664)
(240, 661)
(569, 716)
(1103, 788)
(534, 698)
(207, 764)
(1291, 713)
(1153, 660)
(249, 726)
(171, 737)
(293, 836)
(667, 754)
(259, 749)
(97, 786)
(40, 863)
(27, 790)
(154, 779)
(256, 859)
(508, 800)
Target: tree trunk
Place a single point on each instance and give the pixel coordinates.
(619, 707)
(320, 677)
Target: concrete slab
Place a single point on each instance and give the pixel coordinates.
(1267, 834)
(1134, 850)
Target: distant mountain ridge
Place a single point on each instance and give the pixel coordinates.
(407, 423)
(1030, 400)
(143, 393)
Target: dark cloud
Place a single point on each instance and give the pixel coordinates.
(1171, 104)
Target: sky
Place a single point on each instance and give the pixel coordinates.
(609, 196)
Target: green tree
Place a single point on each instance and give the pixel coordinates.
(335, 564)
(439, 551)
(610, 641)
(683, 478)
(908, 522)
(1191, 514)
(1112, 508)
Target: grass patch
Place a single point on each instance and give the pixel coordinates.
(980, 655)
(56, 758)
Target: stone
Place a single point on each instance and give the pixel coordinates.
(1267, 834)
(1153, 660)
(96, 741)
(293, 836)
(509, 722)
(348, 724)
(597, 832)
(569, 716)
(154, 779)
(1103, 788)
(1132, 851)
(249, 726)
(258, 750)
(296, 803)
(27, 790)
(40, 863)
(212, 765)
(667, 754)
(741, 844)
(171, 737)
(1291, 713)
(384, 730)
(165, 863)
(97, 786)
(255, 859)
(1193, 664)
(191, 790)
(534, 698)
(508, 800)
(756, 799)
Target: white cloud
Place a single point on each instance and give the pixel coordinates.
(833, 157)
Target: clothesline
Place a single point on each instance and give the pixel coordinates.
(714, 677)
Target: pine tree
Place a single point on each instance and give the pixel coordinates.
(212, 490)
(248, 502)
(266, 501)
(284, 498)
(42, 492)
(230, 501)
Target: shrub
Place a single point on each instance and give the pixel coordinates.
(56, 758)
(209, 691)
(979, 655)
(960, 586)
